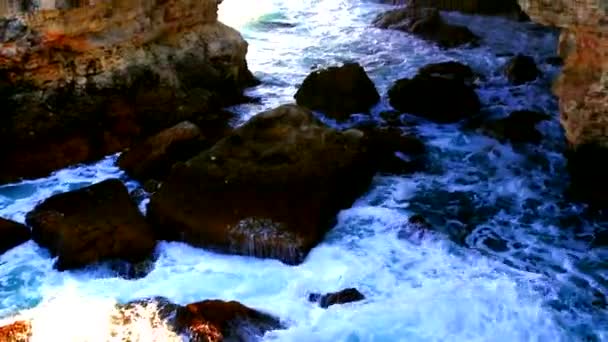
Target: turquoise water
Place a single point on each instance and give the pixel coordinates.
(512, 260)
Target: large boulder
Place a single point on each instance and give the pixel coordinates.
(12, 234)
(154, 157)
(271, 189)
(427, 24)
(77, 84)
(91, 225)
(435, 97)
(450, 69)
(521, 69)
(338, 91)
(509, 8)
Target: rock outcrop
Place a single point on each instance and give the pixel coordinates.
(19, 331)
(270, 189)
(12, 234)
(508, 8)
(92, 225)
(84, 82)
(582, 87)
(341, 297)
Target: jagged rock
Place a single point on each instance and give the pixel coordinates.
(581, 88)
(80, 83)
(92, 225)
(341, 297)
(521, 69)
(270, 189)
(12, 234)
(338, 91)
(518, 127)
(435, 97)
(20, 331)
(427, 24)
(156, 155)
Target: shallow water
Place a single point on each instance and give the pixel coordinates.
(512, 259)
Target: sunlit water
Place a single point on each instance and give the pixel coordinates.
(526, 272)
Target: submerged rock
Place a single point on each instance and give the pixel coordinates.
(92, 225)
(80, 83)
(338, 91)
(518, 127)
(427, 24)
(12, 234)
(154, 157)
(521, 69)
(440, 97)
(271, 189)
(342, 297)
(20, 331)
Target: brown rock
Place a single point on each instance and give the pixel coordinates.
(154, 157)
(581, 88)
(20, 331)
(216, 321)
(338, 91)
(271, 189)
(508, 8)
(12, 234)
(81, 83)
(91, 225)
(341, 297)
(427, 24)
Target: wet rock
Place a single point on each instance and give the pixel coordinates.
(92, 225)
(600, 239)
(588, 167)
(156, 155)
(342, 297)
(79, 91)
(518, 127)
(521, 69)
(271, 189)
(496, 244)
(20, 331)
(393, 150)
(419, 221)
(509, 8)
(451, 70)
(12, 234)
(555, 61)
(338, 91)
(216, 320)
(436, 98)
(427, 24)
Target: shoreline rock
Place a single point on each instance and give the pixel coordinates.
(345, 296)
(95, 224)
(81, 83)
(12, 234)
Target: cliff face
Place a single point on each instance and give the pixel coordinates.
(582, 87)
(79, 83)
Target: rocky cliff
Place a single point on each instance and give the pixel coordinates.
(77, 84)
(582, 87)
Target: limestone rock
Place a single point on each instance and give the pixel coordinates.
(19, 331)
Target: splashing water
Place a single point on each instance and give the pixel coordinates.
(512, 260)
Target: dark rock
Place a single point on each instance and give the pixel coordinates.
(393, 151)
(508, 8)
(521, 69)
(555, 61)
(270, 189)
(419, 221)
(588, 167)
(600, 239)
(19, 331)
(338, 91)
(435, 98)
(156, 155)
(92, 225)
(452, 70)
(216, 320)
(392, 117)
(12, 234)
(496, 243)
(341, 297)
(427, 24)
(518, 127)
